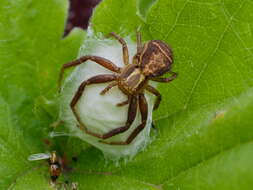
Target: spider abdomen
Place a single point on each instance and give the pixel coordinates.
(155, 59)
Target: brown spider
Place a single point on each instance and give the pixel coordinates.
(152, 60)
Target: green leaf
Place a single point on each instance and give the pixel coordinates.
(212, 49)
(116, 16)
(143, 7)
(31, 52)
(219, 172)
(206, 111)
(204, 124)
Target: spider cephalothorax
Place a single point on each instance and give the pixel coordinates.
(152, 60)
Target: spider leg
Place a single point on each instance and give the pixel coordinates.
(144, 115)
(123, 103)
(78, 94)
(106, 89)
(139, 45)
(136, 58)
(132, 109)
(124, 47)
(100, 60)
(156, 93)
(174, 75)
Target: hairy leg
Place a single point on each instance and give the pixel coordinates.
(174, 75)
(123, 103)
(132, 109)
(78, 94)
(100, 60)
(106, 89)
(144, 115)
(124, 48)
(156, 93)
(138, 39)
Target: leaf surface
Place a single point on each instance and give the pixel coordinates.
(31, 52)
(204, 126)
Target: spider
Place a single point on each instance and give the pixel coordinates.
(152, 60)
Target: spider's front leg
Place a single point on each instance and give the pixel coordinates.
(124, 47)
(139, 45)
(99, 60)
(78, 94)
(144, 115)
